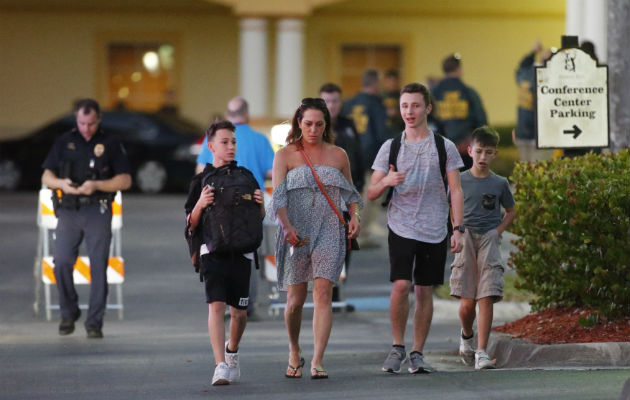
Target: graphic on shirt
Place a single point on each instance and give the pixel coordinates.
(360, 118)
(453, 106)
(489, 201)
(71, 146)
(525, 95)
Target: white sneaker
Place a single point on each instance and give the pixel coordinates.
(466, 349)
(221, 375)
(483, 361)
(231, 359)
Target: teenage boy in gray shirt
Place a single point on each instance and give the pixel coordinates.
(477, 272)
(416, 216)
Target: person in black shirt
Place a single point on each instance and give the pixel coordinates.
(84, 168)
(346, 135)
(458, 107)
(391, 98)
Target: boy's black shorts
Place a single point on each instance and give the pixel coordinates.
(226, 277)
(429, 260)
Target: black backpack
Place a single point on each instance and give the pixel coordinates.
(233, 223)
(441, 149)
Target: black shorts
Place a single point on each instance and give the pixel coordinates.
(227, 279)
(429, 260)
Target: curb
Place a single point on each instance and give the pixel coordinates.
(517, 353)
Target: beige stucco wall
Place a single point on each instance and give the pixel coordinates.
(491, 48)
(49, 59)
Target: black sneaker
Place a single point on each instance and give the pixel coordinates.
(94, 332)
(66, 326)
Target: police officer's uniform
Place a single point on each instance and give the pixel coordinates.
(460, 111)
(369, 117)
(72, 157)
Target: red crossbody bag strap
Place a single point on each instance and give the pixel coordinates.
(321, 187)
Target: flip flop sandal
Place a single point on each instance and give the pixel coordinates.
(318, 373)
(295, 370)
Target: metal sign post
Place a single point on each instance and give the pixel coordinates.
(572, 101)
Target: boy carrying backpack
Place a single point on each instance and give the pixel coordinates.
(224, 213)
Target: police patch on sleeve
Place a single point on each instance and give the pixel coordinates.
(99, 149)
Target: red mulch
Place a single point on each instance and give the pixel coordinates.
(560, 325)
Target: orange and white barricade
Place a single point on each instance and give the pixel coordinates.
(270, 271)
(44, 266)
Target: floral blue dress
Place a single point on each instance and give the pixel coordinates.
(309, 212)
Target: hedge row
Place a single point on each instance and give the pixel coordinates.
(573, 220)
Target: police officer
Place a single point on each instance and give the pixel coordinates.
(367, 112)
(84, 168)
(346, 135)
(391, 101)
(458, 107)
(524, 135)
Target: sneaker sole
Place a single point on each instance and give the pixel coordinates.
(486, 367)
(420, 371)
(220, 382)
(391, 371)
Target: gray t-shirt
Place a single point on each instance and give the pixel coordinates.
(419, 209)
(483, 198)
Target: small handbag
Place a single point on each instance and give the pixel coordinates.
(353, 244)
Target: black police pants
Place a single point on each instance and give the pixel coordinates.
(73, 225)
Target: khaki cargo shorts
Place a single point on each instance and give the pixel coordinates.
(477, 270)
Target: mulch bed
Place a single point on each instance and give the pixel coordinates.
(561, 325)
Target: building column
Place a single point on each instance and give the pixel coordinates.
(587, 19)
(289, 66)
(574, 17)
(595, 24)
(253, 65)
(618, 78)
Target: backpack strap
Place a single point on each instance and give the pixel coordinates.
(441, 149)
(256, 262)
(394, 149)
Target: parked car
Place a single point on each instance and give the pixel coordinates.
(161, 150)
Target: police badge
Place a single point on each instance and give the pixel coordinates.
(99, 149)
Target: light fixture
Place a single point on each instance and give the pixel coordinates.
(151, 61)
(123, 92)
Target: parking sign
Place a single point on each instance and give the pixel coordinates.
(572, 102)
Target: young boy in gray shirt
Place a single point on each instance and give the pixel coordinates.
(477, 271)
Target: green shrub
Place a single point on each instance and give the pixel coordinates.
(573, 219)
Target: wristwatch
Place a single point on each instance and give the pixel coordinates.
(460, 228)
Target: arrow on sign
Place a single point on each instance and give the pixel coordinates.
(575, 131)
